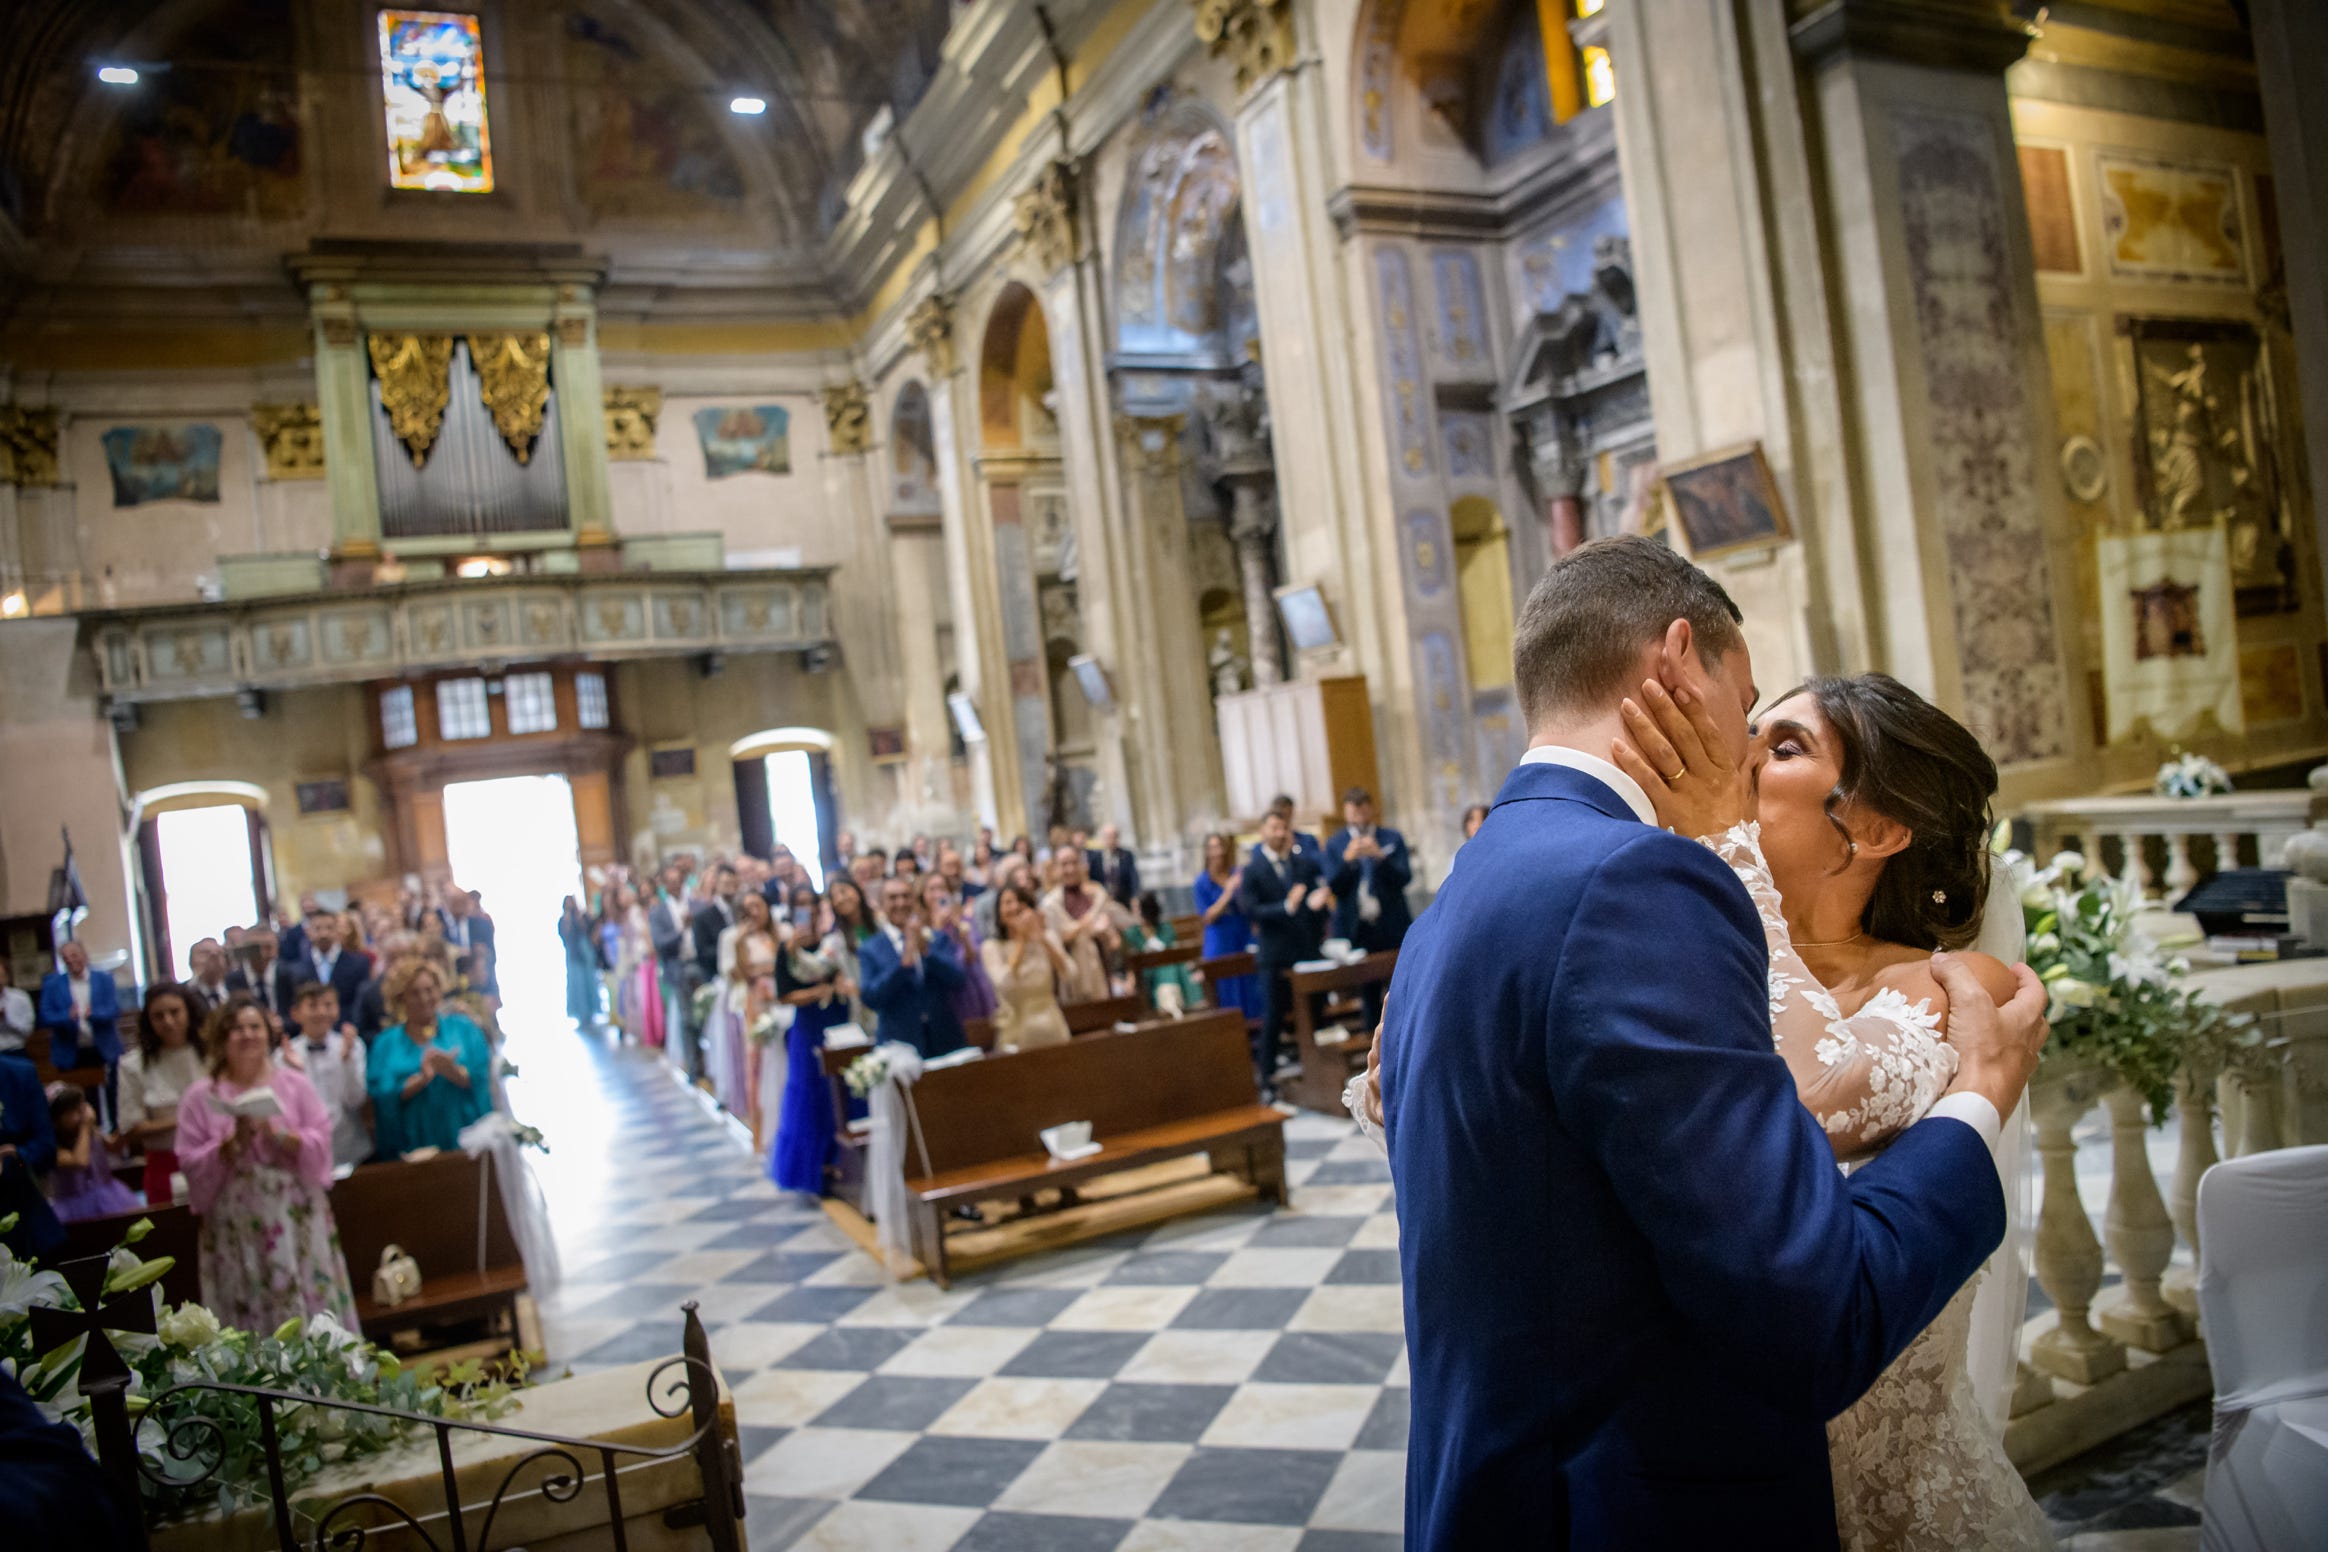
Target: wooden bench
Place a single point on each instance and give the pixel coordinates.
(1148, 959)
(176, 1233)
(1188, 928)
(1098, 1015)
(430, 1207)
(1164, 1091)
(1325, 1070)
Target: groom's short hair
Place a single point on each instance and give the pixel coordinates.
(1586, 621)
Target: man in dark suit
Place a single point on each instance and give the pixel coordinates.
(208, 988)
(28, 1151)
(1114, 868)
(296, 945)
(1284, 896)
(1636, 1285)
(1367, 868)
(81, 1010)
(908, 976)
(343, 969)
(266, 977)
(467, 927)
(717, 915)
(667, 930)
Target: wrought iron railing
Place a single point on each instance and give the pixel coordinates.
(686, 1385)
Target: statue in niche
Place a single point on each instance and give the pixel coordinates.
(1240, 427)
(2208, 428)
(1227, 664)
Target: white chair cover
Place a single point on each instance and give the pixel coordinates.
(896, 1138)
(494, 1136)
(2263, 1299)
(2001, 1302)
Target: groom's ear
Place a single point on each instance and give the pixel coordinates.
(1677, 660)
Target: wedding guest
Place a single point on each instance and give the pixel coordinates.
(848, 921)
(909, 976)
(335, 960)
(801, 909)
(263, 976)
(333, 1059)
(980, 870)
(1473, 818)
(1009, 868)
(1026, 964)
(581, 945)
(81, 1183)
(1025, 847)
(430, 1073)
(667, 928)
(294, 946)
(867, 869)
(269, 1249)
(17, 1018)
(956, 873)
(370, 1014)
(748, 955)
(1284, 897)
(28, 1148)
(154, 1080)
(208, 990)
(716, 915)
(1085, 921)
(467, 927)
(1113, 867)
(1367, 868)
(81, 1010)
(945, 913)
(845, 850)
(812, 977)
(1153, 930)
(1226, 931)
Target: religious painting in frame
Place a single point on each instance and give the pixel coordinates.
(323, 797)
(2205, 438)
(754, 439)
(162, 463)
(432, 90)
(671, 764)
(1725, 502)
(1309, 623)
(886, 743)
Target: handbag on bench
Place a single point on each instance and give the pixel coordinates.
(397, 1279)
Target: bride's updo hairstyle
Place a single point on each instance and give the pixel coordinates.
(1911, 762)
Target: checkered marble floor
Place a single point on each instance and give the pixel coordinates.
(1234, 1381)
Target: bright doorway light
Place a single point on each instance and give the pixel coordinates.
(747, 107)
(512, 839)
(206, 876)
(792, 811)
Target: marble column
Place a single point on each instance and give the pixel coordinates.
(582, 426)
(1253, 530)
(344, 401)
(970, 565)
(1164, 686)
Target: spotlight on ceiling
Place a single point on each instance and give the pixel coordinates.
(748, 107)
(117, 75)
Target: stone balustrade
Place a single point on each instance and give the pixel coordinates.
(2102, 1363)
(2112, 831)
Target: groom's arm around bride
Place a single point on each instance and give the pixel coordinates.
(1636, 1284)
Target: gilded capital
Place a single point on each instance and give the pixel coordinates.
(28, 446)
(631, 414)
(1256, 35)
(292, 436)
(931, 328)
(1045, 217)
(848, 418)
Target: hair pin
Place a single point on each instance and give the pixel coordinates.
(1939, 897)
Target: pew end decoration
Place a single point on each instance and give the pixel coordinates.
(2116, 1002)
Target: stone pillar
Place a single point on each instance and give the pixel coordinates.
(2295, 121)
(582, 425)
(1164, 686)
(917, 559)
(1253, 530)
(1559, 482)
(343, 384)
(970, 573)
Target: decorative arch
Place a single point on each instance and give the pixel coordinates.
(777, 740)
(175, 795)
(1499, 77)
(1014, 374)
(1180, 240)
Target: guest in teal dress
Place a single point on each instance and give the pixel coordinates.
(431, 1074)
(1152, 931)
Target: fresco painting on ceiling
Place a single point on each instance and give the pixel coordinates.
(745, 441)
(223, 139)
(162, 463)
(432, 77)
(648, 147)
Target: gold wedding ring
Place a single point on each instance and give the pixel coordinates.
(1677, 775)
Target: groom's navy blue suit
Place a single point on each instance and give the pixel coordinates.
(1636, 1284)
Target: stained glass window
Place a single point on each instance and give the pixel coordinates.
(432, 78)
(1600, 77)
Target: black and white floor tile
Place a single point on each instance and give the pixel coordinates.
(1235, 1382)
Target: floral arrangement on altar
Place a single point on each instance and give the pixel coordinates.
(2191, 776)
(2116, 1001)
(316, 1357)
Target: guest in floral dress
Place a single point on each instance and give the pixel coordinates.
(430, 1075)
(269, 1248)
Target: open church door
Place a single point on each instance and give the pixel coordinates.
(752, 816)
(820, 788)
(153, 903)
(262, 863)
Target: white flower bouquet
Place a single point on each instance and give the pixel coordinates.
(2191, 776)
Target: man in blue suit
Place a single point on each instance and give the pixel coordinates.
(81, 1010)
(336, 965)
(1367, 868)
(1636, 1285)
(1284, 896)
(908, 976)
(28, 1151)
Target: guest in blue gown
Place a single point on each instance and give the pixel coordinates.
(582, 968)
(817, 986)
(1225, 929)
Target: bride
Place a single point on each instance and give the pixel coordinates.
(1859, 826)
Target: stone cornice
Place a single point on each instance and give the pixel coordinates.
(1977, 35)
(1584, 166)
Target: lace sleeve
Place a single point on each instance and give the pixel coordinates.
(1866, 1077)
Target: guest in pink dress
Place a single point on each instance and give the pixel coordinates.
(269, 1248)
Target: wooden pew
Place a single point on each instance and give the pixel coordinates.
(429, 1207)
(1168, 1090)
(1325, 1070)
(1188, 929)
(1148, 959)
(1098, 1015)
(176, 1233)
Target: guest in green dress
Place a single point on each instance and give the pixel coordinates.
(1153, 931)
(431, 1074)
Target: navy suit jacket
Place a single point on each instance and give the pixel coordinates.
(1117, 872)
(1389, 876)
(56, 1016)
(1281, 937)
(913, 1004)
(349, 973)
(283, 979)
(1636, 1284)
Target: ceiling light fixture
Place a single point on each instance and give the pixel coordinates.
(117, 75)
(747, 107)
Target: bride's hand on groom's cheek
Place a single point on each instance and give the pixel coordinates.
(1673, 748)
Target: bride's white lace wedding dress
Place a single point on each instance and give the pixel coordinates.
(1917, 1466)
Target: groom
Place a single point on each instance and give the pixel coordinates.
(1636, 1284)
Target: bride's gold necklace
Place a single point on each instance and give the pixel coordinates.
(1831, 942)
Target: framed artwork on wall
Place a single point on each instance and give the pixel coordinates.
(323, 797)
(888, 744)
(671, 764)
(1725, 502)
(1309, 623)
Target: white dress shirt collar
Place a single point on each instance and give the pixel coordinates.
(1599, 770)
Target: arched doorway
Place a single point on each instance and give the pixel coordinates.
(784, 795)
(206, 863)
